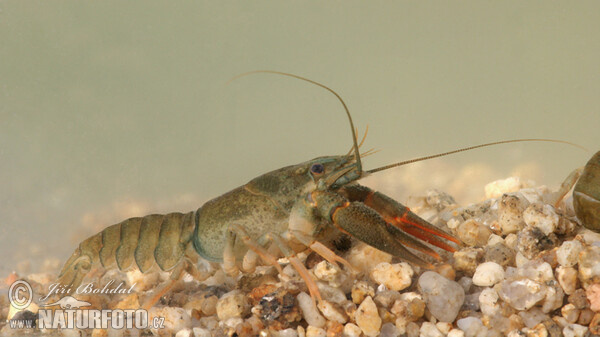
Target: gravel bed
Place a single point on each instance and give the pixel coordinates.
(526, 269)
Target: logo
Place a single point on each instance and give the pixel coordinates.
(15, 294)
(69, 316)
(68, 302)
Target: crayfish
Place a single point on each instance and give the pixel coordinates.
(294, 206)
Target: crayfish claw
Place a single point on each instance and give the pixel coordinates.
(404, 220)
(412, 224)
(368, 226)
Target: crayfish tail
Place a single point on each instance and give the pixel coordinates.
(146, 242)
(74, 270)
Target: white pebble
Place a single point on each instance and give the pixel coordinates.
(510, 212)
(467, 259)
(367, 317)
(541, 216)
(575, 330)
(473, 233)
(401, 324)
(313, 331)
(289, 272)
(511, 241)
(510, 273)
(364, 257)
(496, 188)
(488, 302)
(593, 295)
(309, 310)
(360, 290)
(328, 272)
(412, 329)
(209, 305)
(143, 281)
(453, 223)
(184, 333)
(289, 332)
(466, 283)
(533, 317)
(232, 304)
(487, 274)
(209, 322)
(472, 326)
(521, 294)
(386, 298)
(442, 296)
(351, 330)
(389, 330)
(394, 276)
(537, 271)
(325, 271)
(589, 237)
(494, 239)
(331, 312)
(589, 268)
(411, 295)
(561, 321)
(567, 278)
(331, 294)
(568, 252)
(520, 260)
(554, 297)
(429, 329)
(570, 313)
(233, 322)
(444, 327)
(201, 332)
(456, 333)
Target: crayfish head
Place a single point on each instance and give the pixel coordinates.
(285, 185)
(333, 172)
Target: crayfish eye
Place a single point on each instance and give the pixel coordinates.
(317, 168)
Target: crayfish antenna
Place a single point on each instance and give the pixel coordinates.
(352, 128)
(382, 168)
